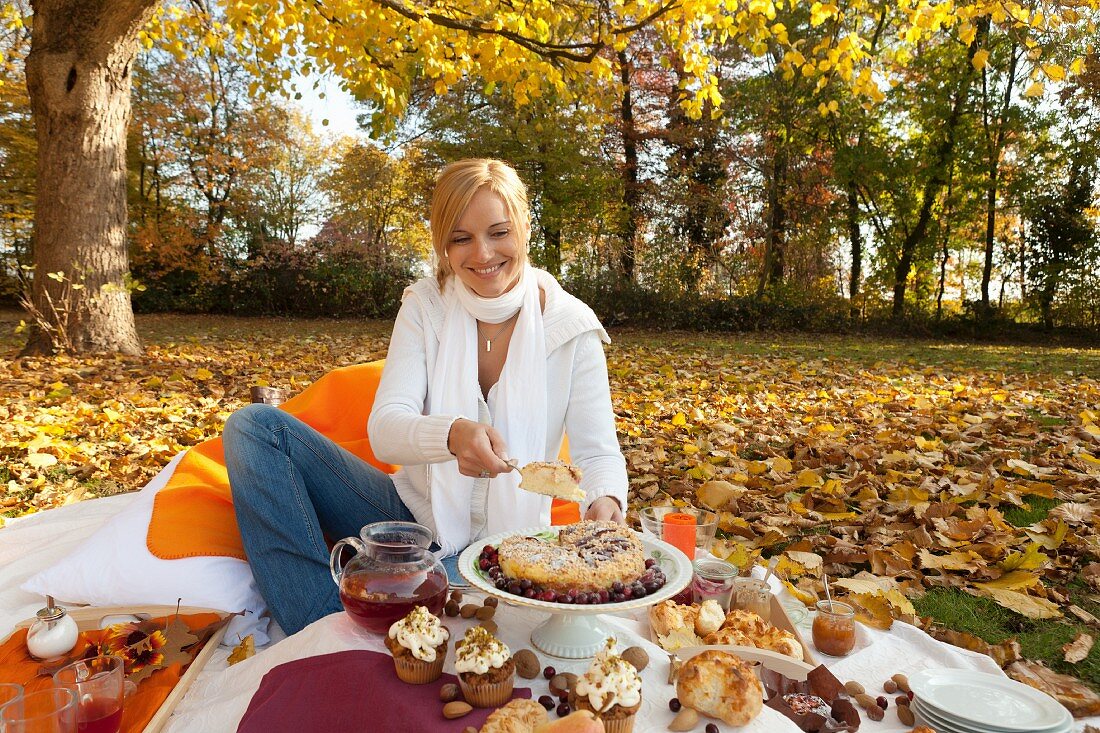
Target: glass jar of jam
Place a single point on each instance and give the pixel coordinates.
(834, 629)
(753, 594)
(713, 580)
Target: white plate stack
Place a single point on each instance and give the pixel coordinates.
(966, 701)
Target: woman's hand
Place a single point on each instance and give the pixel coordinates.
(479, 448)
(605, 508)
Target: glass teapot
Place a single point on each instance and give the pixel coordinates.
(392, 571)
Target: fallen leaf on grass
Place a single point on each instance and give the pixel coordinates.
(1004, 653)
(1021, 603)
(1084, 615)
(1073, 694)
(1077, 649)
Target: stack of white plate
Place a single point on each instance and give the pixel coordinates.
(966, 701)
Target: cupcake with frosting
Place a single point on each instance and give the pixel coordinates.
(610, 688)
(418, 643)
(485, 669)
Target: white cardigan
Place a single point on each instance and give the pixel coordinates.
(578, 397)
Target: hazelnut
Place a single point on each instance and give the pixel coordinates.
(448, 693)
(527, 664)
(686, 719)
(890, 686)
(902, 701)
(456, 709)
(875, 712)
(562, 683)
(637, 657)
(853, 688)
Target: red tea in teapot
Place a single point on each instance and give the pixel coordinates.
(375, 602)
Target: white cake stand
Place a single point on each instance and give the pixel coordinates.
(572, 631)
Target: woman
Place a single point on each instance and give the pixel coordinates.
(489, 360)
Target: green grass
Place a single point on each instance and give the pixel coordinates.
(1035, 510)
(1040, 639)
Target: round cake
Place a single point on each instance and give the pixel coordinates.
(588, 556)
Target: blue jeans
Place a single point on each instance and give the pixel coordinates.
(292, 487)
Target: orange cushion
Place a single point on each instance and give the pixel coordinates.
(193, 514)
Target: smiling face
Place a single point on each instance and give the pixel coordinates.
(486, 248)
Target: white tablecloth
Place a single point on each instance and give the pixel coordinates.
(221, 694)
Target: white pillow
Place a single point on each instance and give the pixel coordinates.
(114, 567)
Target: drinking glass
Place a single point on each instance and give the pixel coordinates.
(11, 694)
(706, 524)
(98, 686)
(45, 711)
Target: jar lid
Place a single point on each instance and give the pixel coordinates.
(714, 569)
(50, 613)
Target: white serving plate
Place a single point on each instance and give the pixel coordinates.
(992, 703)
(944, 725)
(572, 631)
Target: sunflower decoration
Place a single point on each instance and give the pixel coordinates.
(139, 645)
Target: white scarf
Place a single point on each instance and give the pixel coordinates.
(519, 414)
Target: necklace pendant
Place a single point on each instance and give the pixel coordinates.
(488, 345)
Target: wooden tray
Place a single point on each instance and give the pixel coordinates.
(780, 620)
(90, 618)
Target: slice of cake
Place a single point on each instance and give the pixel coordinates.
(556, 479)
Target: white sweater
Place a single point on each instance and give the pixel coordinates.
(578, 397)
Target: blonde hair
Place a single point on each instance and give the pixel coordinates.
(455, 187)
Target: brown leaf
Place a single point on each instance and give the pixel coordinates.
(1077, 649)
(1083, 615)
(1004, 653)
(1078, 699)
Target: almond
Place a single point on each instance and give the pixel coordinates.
(686, 719)
(456, 709)
(854, 688)
(901, 681)
(905, 715)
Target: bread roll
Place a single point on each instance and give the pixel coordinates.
(710, 618)
(721, 685)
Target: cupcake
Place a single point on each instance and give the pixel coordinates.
(418, 643)
(485, 669)
(612, 689)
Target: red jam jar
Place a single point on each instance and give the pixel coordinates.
(834, 629)
(713, 579)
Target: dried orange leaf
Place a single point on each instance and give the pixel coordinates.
(1077, 649)
(243, 651)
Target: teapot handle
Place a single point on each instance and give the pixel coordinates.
(334, 564)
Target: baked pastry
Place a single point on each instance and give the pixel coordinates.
(557, 479)
(710, 617)
(679, 626)
(674, 625)
(721, 685)
(610, 688)
(518, 716)
(588, 556)
(418, 644)
(486, 671)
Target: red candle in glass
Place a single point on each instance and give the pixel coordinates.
(679, 531)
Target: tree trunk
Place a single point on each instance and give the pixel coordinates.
(632, 195)
(855, 238)
(995, 145)
(775, 241)
(78, 77)
(937, 177)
